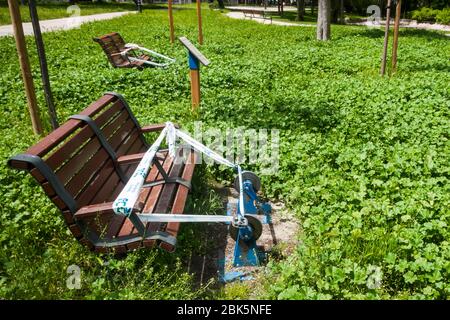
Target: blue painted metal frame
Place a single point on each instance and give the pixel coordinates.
(194, 63)
(246, 252)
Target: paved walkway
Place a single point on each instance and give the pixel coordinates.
(236, 13)
(240, 15)
(407, 24)
(260, 8)
(62, 24)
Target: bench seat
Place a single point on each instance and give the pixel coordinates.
(113, 45)
(82, 167)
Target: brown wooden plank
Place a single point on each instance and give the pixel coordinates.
(59, 203)
(118, 221)
(98, 105)
(180, 201)
(115, 124)
(54, 138)
(65, 151)
(76, 231)
(58, 135)
(109, 113)
(128, 228)
(130, 158)
(37, 175)
(22, 165)
(78, 161)
(90, 169)
(84, 198)
(68, 217)
(165, 197)
(131, 141)
(104, 192)
(155, 127)
(93, 210)
(48, 189)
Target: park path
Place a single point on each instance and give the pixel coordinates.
(236, 13)
(240, 15)
(61, 24)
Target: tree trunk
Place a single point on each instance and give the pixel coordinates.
(323, 20)
(300, 10)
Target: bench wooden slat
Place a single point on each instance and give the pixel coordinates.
(105, 116)
(73, 166)
(66, 150)
(180, 200)
(109, 129)
(95, 164)
(84, 197)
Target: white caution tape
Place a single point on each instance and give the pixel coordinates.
(127, 198)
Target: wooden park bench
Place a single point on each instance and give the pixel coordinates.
(84, 164)
(122, 55)
(257, 14)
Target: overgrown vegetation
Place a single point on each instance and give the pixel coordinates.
(432, 15)
(364, 159)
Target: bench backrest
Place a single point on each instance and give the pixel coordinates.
(72, 164)
(112, 44)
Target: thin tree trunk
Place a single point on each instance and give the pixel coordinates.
(386, 38)
(300, 10)
(398, 13)
(323, 20)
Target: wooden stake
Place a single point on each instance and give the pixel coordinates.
(195, 88)
(43, 64)
(386, 38)
(398, 12)
(199, 16)
(25, 66)
(172, 35)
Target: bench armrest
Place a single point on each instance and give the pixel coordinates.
(131, 158)
(122, 53)
(156, 127)
(136, 157)
(100, 208)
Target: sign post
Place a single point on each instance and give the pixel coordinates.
(199, 17)
(195, 58)
(172, 36)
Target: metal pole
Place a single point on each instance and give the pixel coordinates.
(398, 12)
(172, 35)
(386, 38)
(43, 64)
(16, 20)
(199, 16)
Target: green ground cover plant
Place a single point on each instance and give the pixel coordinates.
(364, 160)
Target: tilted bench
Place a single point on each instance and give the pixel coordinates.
(84, 164)
(123, 55)
(113, 45)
